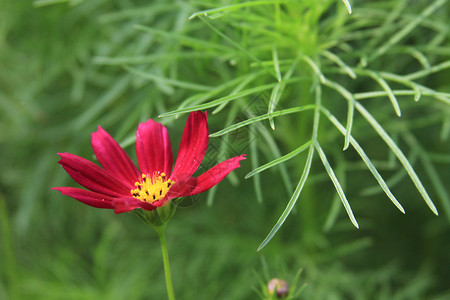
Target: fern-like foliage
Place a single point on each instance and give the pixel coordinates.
(325, 78)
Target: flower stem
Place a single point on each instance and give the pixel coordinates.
(161, 230)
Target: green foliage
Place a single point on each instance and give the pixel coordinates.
(322, 101)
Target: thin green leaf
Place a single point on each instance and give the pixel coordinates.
(274, 98)
(444, 97)
(393, 180)
(185, 39)
(167, 81)
(385, 86)
(314, 67)
(348, 6)
(235, 6)
(401, 157)
(40, 3)
(421, 58)
(200, 98)
(296, 291)
(145, 59)
(365, 159)
(406, 29)
(431, 172)
(262, 117)
(276, 65)
(336, 183)
(235, 44)
(279, 160)
(220, 100)
(445, 130)
(292, 201)
(254, 163)
(305, 173)
(337, 60)
(236, 90)
(133, 13)
(350, 107)
(401, 79)
(272, 146)
(211, 195)
(441, 158)
(426, 72)
(106, 99)
(224, 99)
(278, 91)
(333, 213)
(335, 208)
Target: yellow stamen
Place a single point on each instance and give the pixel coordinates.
(152, 189)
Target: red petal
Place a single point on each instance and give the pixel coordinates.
(92, 176)
(113, 158)
(87, 197)
(125, 204)
(214, 175)
(193, 144)
(153, 148)
(183, 186)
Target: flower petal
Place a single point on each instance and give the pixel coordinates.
(113, 158)
(153, 148)
(193, 144)
(183, 186)
(214, 175)
(92, 176)
(87, 197)
(125, 204)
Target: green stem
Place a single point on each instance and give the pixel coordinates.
(161, 230)
(8, 248)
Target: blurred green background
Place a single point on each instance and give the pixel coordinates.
(68, 66)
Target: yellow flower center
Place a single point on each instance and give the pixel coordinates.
(152, 189)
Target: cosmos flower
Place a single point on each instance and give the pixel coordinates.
(121, 186)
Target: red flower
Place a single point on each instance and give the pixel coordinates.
(122, 187)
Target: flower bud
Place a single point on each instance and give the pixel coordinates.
(278, 286)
